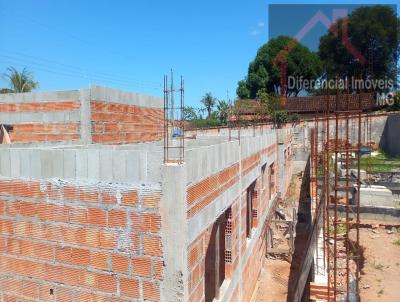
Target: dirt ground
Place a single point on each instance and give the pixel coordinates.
(272, 285)
(380, 276)
(273, 281)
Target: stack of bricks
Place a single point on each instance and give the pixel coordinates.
(65, 241)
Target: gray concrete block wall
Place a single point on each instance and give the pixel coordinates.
(81, 164)
(109, 95)
(390, 141)
(207, 160)
(378, 123)
(39, 97)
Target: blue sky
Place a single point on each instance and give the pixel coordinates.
(132, 44)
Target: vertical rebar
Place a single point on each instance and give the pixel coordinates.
(357, 277)
(327, 174)
(347, 146)
(335, 203)
(172, 102)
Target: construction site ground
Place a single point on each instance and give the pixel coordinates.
(380, 275)
(380, 272)
(272, 284)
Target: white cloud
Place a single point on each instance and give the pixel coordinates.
(254, 32)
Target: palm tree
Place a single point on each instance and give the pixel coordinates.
(209, 102)
(19, 81)
(223, 111)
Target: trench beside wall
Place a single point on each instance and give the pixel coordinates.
(262, 163)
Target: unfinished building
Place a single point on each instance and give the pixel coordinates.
(93, 209)
(90, 210)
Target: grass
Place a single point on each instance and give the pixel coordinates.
(380, 292)
(396, 242)
(340, 229)
(379, 163)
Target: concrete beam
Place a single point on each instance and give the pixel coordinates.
(174, 231)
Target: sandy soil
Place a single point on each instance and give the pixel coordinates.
(380, 277)
(272, 283)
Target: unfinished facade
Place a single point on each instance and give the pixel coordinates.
(89, 211)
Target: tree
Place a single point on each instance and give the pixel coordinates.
(189, 113)
(242, 90)
(223, 111)
(264, 71)
(19, 81)
(396, 102)
(209, 102)
(373, 32)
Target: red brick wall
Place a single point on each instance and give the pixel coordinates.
(198, 249)
(202, 193)
(25, 133)
(254, 262)
(125, 124)
(38, 132)
(64, 242)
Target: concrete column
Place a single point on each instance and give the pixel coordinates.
(86, 125)
(175, 285)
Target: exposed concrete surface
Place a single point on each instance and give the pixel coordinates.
(390, 141)
(174, 232)
(85, 125)
(102, 164)
(375, 196)
(99, 93)
(37, 97)
(379, 213)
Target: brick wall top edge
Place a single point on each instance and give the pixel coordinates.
(126, 166)
(88, 185)
(96, 93)
(207, 160)
(48, 96)
(110, 95)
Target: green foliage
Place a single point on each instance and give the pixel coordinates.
(205, 123)
(19, 81)
(382, 162)
(215, 118)
(371, 30)
(265, 71)
(242, 90)
(209, 102)
(223, 111)
(189, 113)
(397, 242)
(396, 104)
